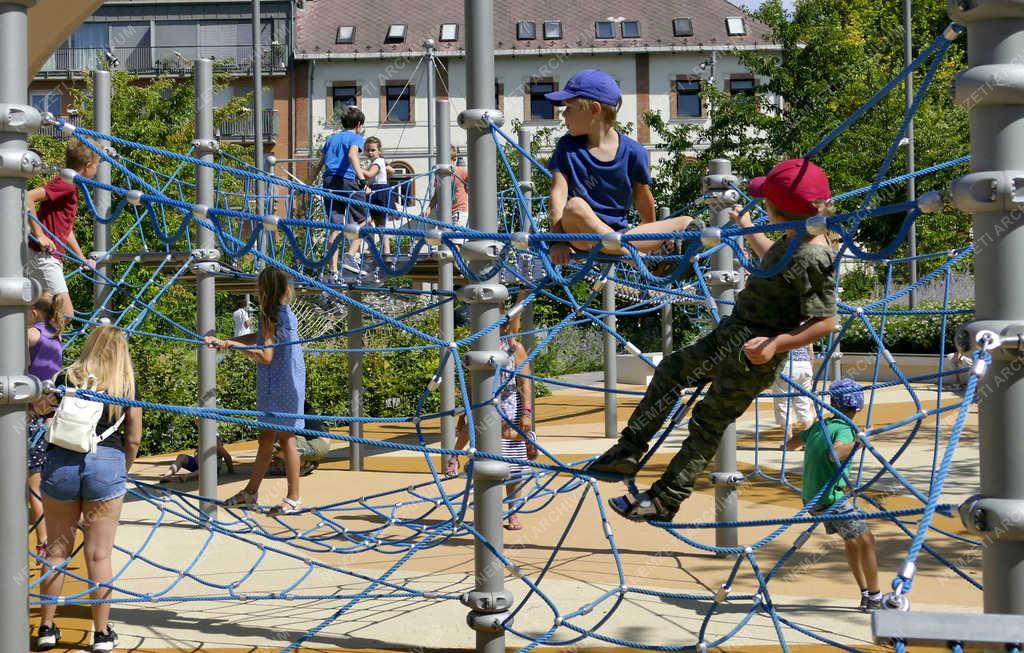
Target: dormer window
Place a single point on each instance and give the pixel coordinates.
(735, 26)
(630, 29)
(346, 34)
(682, 27)
(449, 32)
(552, 29)
(526, 30)
(603, 29)
(396, 33)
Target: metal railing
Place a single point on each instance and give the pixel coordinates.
(169, 60)
(243, 130)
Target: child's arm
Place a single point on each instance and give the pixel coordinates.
(316, 169)
(353, 159)
(462, 433)
(559, 252)
(794, 442)
(132, 435)
(371, 171)
(758, 241)
(525, 387)
(73, 246)
(33, 198)
(762, 349)
(643, 200)
(33, 339)
(390, 170)
(263, 355)
(844, 449)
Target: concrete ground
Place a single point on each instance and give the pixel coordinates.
(814, 589)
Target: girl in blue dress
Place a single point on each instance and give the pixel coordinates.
(280, 386)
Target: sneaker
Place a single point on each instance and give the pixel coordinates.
(617, 460)
(871, 602)
(863, 601)
(641, 507)
(47, 637)
(103, 642)
(352, 263)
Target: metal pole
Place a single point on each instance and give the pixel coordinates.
(995, 34)
(489, 602)
(13, 345)
(206, 285)
(355, 382)
(724, 282)
(257, 115)
(428, 45)
(908, 56)
(445, 276)
(526, 184)
(611, 363)
(101, 197)
(667, 309)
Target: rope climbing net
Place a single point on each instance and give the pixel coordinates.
(286, 225)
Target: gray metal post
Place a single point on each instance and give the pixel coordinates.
(611, 363)
(428, 46)
(206, 285)
(489, 602)
(666, 310)
(257, 117)
(13, 346)
(724, 282)
(526, 184)
(993, 89)
(445, 273)
(908, 56)
(101, 231)
(355, 382)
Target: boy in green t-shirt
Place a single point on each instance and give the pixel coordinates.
(847, 398)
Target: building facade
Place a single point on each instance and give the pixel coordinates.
(373, 56)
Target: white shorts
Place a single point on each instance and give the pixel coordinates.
(460, 218)
(47, 271)
(802, 407)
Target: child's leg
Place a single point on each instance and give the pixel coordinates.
(579, 218)
(853, 558)
(61, 522)
(511, 492)
(658, 227)
(290, 453)
(869, 561)
(263, 455)
(35, 504)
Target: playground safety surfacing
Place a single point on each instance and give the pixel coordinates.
(814, 590)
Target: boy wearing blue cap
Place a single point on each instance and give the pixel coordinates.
(819, 442)
(599, 173)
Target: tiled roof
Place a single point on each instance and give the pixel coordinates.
(317, 23)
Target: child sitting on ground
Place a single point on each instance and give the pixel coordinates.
(599, 173)
(847, 397)
(741, 356)
(190, 463)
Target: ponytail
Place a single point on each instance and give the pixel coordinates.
(52, 312)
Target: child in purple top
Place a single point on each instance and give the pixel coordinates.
(46, 357)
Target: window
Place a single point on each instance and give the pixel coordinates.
(526, 30)
(630, 29)
(682, 27)
(541, 108)
(396, 33)
(742, 86)
(688, 102)
(735, 26)
(398, 102)
(344, 94)
(51, 101)
(449, 32)
(346, 34)
(552, 29)
(499, 96)
(603, 29)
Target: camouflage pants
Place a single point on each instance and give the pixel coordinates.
(716, 358)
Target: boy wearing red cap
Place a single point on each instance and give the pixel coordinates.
(598, 173)
(741, 356)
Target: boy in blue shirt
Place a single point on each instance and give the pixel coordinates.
(599, 173)
(343, 173)
(847, 397)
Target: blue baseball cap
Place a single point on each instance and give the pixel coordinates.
(846, 394)
(593, 84)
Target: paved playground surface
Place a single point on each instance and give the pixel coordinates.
(815, 589)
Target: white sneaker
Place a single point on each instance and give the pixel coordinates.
(351, 263)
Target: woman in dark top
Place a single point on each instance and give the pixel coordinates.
(90, 487)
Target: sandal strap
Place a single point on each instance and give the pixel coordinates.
(295, 504)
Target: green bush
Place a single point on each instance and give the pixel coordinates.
(907, 334)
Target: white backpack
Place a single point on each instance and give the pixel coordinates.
(74, 424)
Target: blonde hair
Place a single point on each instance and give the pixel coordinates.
(273, 284)
(52, 312)
(374, 139)
(105, 356)
(608, 112)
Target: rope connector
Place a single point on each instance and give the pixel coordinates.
(520, 240)
(204, 146)
(200, 210)
(710, 236)
(68, 175)
(931, 202)
(481, 119)
(722, 595)
(134, 197)
(816, 225)
(443, 169)
(270, 222)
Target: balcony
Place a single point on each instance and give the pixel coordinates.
(243, 130)
(164, 60)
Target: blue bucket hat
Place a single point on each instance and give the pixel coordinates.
(846, 394)
(593, 84)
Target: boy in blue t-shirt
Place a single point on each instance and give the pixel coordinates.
(343, 173)
(599, 173)
(847, 397)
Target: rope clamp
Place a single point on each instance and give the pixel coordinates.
(19, 389)
(481, 118)
(991, 190)
(1002, 339)
(996, 519)
(726, 479)
(18, 291)
(20, 163)
(204, 146)
(487, 602)
(443, 169)
(206, 255)
(719, 279)
(19, 119)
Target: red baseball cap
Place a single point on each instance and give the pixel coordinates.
(793, 186)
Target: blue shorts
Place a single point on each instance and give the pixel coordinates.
(190, 464)
(339, 211)
(72, 476)
(848, 529)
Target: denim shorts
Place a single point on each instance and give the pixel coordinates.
(848, 529)
(72, 476)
